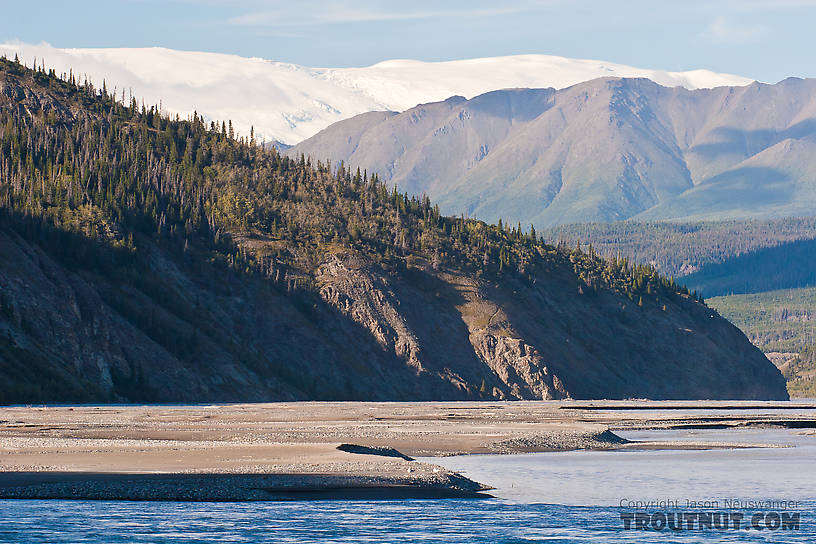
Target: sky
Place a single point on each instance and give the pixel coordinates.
(766, 40)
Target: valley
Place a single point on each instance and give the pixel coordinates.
(407, 272)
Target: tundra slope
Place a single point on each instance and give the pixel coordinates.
(143, 258)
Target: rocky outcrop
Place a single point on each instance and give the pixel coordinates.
(500, 366)
(545, 341)
(367, 299)
(518, 365)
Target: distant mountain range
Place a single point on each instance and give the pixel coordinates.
(602, 150)
(287, 102)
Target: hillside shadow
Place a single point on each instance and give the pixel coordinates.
(429, 311)
(751, 142)
(235, 335)
(786, 266)
(518, 105)
(748, 185)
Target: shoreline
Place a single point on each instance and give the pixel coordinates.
(326, 450)
(178, 487)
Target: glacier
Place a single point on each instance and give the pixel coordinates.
(288, 103)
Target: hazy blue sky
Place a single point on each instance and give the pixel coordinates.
(762, 39)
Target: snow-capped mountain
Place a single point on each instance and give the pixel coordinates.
(288, 102)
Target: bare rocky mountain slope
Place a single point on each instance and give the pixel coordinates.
(603, 150)
(149, 259)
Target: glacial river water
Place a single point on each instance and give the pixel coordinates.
(544, 497)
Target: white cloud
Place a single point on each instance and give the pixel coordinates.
(728, 32)
(322, 13)
(774, 4)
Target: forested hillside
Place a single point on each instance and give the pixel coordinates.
(148, 258)
(777, 321)
(782, 323)
(800, 371)
(786, 266)
(679, 249)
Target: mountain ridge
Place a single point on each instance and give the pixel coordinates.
(603, 150)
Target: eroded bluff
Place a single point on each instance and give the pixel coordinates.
(546, 340)
(367, 332)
